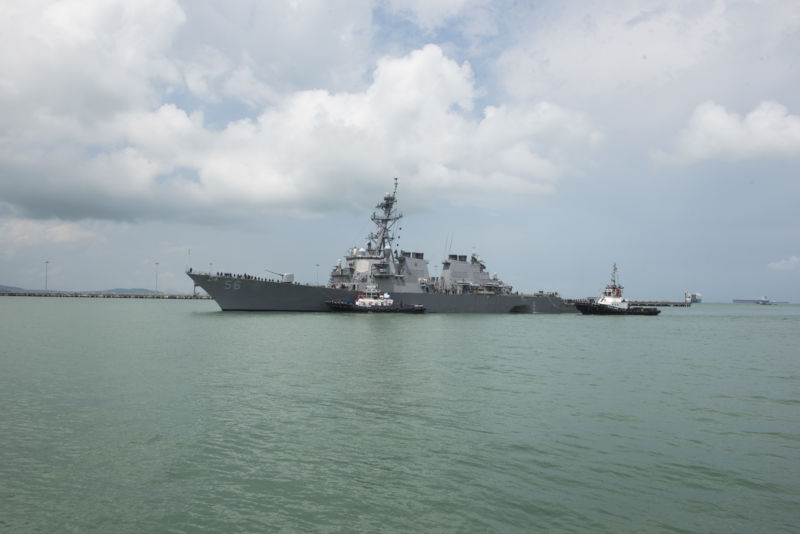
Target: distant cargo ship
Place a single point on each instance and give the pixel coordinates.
(764, 301)
(693, 298)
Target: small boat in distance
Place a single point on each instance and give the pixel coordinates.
(372, 301)
(764, 301)
(611, 302)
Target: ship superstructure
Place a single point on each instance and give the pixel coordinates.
(376, 264)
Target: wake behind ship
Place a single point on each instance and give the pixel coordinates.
(465, 286)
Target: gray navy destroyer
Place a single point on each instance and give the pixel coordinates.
(465, 286)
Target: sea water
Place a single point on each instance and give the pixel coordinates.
(124, 415)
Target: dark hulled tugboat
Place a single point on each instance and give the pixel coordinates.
(372, 301)
(611, 302)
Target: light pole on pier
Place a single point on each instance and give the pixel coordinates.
(317, 273)
(46, 263)
(156, 277)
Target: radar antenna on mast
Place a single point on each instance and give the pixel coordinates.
(385, 221)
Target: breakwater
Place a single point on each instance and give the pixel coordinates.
(81, 294)
(657, 303)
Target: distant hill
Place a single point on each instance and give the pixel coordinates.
(11, 289)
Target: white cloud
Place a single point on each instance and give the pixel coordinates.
(714, 133)
(88, 59)
(580, 52)
(414, 121)
(286, 46)
(244, 85)
(638, 66)
(788, 264)
(430, 15)
(203, 73)
(31, 232)
(83, 58)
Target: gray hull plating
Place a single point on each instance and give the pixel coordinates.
(244, 294)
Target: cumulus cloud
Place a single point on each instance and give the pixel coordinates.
(789, 264)
(430, 15)
(582, 53)
(243, 85)
(638, 66)
(273, 46)
(30, 232)
(714, 133)
(94, 57)
(83, 58)
(414, 120)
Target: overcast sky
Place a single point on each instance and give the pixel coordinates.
(553, 138)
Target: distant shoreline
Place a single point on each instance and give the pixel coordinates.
(78, 294)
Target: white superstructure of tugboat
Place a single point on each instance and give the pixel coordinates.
(371, 298)
(611, 302)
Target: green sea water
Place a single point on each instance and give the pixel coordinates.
(122, 415)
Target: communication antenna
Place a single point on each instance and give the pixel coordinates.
(448, 244)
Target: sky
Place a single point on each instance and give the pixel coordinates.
(552, 138)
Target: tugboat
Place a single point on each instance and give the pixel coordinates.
(611, 302)
(372, 301)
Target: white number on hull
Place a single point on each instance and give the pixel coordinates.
(232, 284)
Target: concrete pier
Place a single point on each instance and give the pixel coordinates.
(661, 303)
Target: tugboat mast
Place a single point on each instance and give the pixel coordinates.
(613, 290)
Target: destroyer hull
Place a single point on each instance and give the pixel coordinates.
(233, 293)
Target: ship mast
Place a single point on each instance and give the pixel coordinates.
(383, 236)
